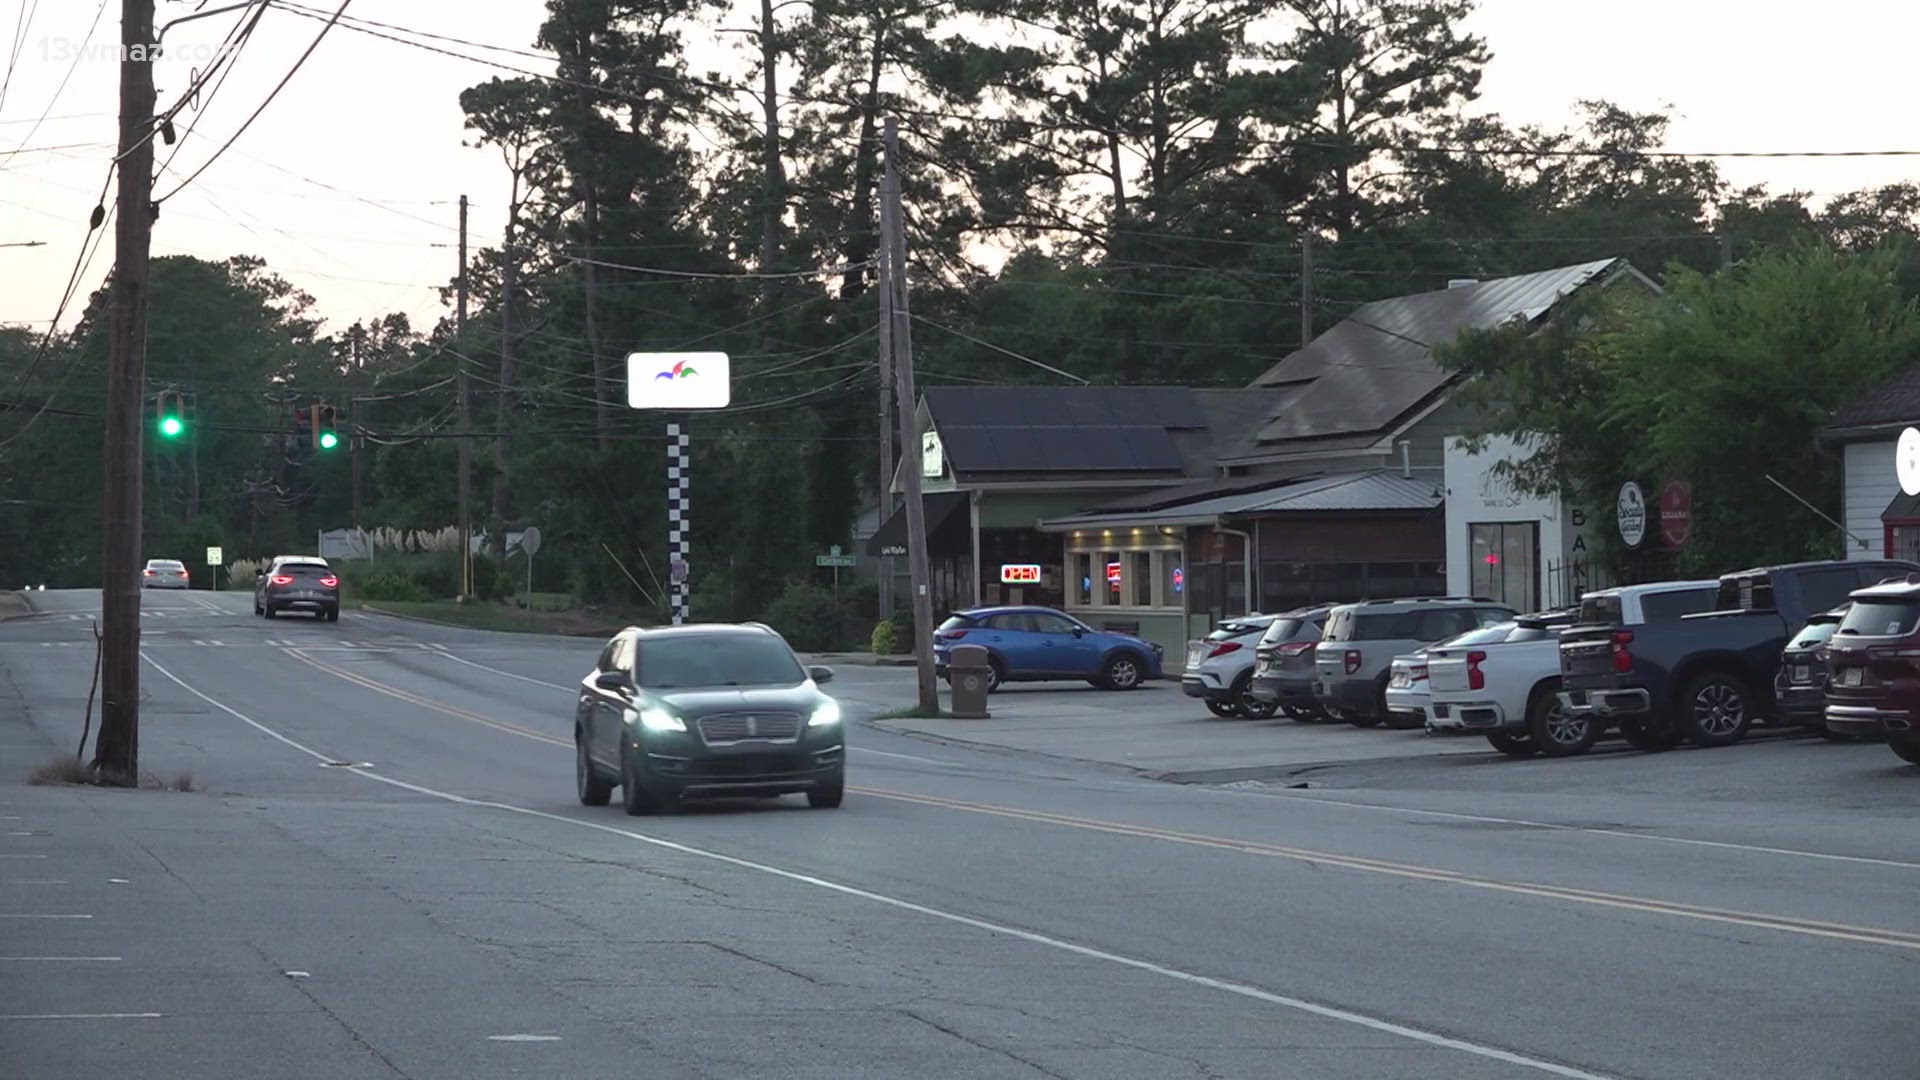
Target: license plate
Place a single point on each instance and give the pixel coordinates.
(1849, 676)
(1802, 673)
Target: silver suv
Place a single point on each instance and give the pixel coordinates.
(1355, 655)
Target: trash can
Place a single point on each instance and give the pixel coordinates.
(969, 673)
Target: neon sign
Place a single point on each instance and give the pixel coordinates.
(1020, 574)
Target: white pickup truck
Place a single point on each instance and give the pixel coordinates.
(1509, 690)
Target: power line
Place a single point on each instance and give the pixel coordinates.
(916, 317)
(21, 23)
(825, 272)
(61, 89)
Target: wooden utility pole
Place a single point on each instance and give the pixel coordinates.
(894, 254)
(884, 290)
(354, 397)
(774, 174)
(1306, 289)
(116, 751)
(503, 399)
(466, 415)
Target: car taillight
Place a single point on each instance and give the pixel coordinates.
(1352, 660)
(149, 573)
(1476, 679)
(952, 635)
(1417, 672)
(1889, 653)
(1296, 648)
(281, 579)
(1224, 648)
(330, 581)
(1622, 659)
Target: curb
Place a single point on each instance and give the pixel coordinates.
(14, 605)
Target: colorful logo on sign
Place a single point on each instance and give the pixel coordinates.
(678, 371)
(1020, 574)
(1113, 574)
(1179, 579)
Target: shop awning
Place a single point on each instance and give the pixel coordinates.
(1371, 490)
(949, 527)
(1904, 507)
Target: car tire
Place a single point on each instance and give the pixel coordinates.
(1122, 671)
(1226, 710)
(1517, 746)
(1553, 730)
(1360, 719)
(1715, 709)
(996, 676)
(636, 798)
(1249, 706)
(267, 612)
(1906, 747)
(1651, 735)
(333, 614)
(1302, 714)
(828, 796)
(592, 788)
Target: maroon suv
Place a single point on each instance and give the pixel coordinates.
(1873, 667)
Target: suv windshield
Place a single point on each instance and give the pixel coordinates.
(1881, 617)
(1604, 608)
(1281, 630)
(695, 660)
(1816, 633)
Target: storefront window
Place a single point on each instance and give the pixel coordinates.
(1286, 586)
(1140, 578)
(1133, 579)
(1506, 562)
(1115, 575)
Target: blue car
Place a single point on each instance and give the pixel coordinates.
(1034, 644)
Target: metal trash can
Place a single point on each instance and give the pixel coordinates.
(969, 673)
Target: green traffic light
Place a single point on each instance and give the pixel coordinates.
(170, 426)
(328, 440)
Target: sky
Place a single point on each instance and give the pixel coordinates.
(347, 183)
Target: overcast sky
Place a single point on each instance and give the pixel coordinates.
(347, 183)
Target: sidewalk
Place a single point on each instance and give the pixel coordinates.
(13, 606)
(1160, 733)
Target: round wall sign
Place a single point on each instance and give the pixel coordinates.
(1906, 461)
(1631, 509)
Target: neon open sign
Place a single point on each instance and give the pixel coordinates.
(1020, 574)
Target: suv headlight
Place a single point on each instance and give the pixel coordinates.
(826, 714)
(656, 718)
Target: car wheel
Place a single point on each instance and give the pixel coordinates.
(996, 676)
(1360, 719)
(1121, 672)
(828, 796)
(1553, 730)
(267, 612)
(1252, 707)
(333, 614)
(1224, 709)
(635, 798)
(1512, 745)
(1906, 746)
(593, 790)
(1715, 710)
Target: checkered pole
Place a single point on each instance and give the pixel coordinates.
(677, 441)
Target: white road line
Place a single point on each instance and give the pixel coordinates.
(63, 959)
(46, 881)
(1430, 1038)
(1622, 834)
(441, 651)
(908, 757)
(4, 855)
(10, 915)
(81, 1016)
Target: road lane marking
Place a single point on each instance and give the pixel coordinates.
(425, 703)
(33, 882)
(81, 1016)
(9, 915)
(908, 757)
(63, 959)
(1872, 935)
(1758, 920)
(1255, 993)
(7, 856)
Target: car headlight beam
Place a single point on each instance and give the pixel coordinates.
(655, 718)
(826, 714)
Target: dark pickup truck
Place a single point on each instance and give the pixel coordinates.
(1704, 678)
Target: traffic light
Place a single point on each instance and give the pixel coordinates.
(172, 412)
(324, 436)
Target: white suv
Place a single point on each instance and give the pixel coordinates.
(1220, 669)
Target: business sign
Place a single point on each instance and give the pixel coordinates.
(676, 381)
(1631, 512)
(933, 456)
(1113, 574)
(1906, 461)
(213, 556)
(1020, 573)
(1676, 512)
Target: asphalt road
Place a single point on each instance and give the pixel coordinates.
(386, 874)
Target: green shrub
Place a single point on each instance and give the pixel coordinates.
(390, 585)
(884, 638)
(805, 615)
(242, 574)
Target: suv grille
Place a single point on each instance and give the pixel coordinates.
(732, 727)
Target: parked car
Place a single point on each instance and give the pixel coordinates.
(1034, 644)
(1283, 671)
(679, 712)
(164, 574)
(1801, 685)
(1219, 668)
(1705, 677)
(297, 583)
(1873, 681)
(1503, 682)
(1353, 661)
(1407, 691)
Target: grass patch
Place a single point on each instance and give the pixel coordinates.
(912, 712)
(485, 615)
(64, 770)
(61, 770)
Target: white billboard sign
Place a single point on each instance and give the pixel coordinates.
(676, 381)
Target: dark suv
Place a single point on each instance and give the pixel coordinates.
(1801, 685)
(298, 583)
(1873, 666)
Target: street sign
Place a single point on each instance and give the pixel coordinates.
(1631, 510)
(530, 541)
(835, 560)
(678, 381)
(678, 570)
(213, 556)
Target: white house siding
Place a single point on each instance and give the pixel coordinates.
(1869, 486)
(1475, 494)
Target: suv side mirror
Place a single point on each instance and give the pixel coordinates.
(611, 680)
(820, 674)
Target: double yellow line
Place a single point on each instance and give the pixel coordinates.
(1868, 935)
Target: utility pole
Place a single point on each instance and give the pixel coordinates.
(1306, 289)
(466, 416)
(354, 395)
(884, 290)
(116, 751)
(498, 520)
(895, 254)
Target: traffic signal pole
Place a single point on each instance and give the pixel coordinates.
(116, 751)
